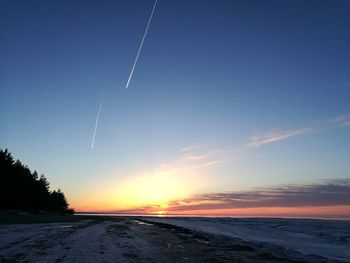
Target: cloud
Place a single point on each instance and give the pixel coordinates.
(194, 157)
(207, 164)
(200, 152)
(275, 136)
(343, 120)
(333, 193)
(191, 161)
(192, 147)
(197, 156)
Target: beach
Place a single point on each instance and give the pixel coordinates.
(152, 239)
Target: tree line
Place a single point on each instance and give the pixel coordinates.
(22, 189)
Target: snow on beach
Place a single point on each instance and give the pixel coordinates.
(150, 239)
(330, 239)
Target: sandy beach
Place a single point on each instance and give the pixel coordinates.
(139, 239)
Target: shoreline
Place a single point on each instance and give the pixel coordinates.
(31, 218)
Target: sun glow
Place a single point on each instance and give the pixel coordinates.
(147, 191)
(150, 190)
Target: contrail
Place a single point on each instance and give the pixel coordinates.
(140, 47)
(96, 123)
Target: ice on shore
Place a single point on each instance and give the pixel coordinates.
(173, 240)
(330, 239)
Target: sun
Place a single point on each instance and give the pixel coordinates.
(159, 213)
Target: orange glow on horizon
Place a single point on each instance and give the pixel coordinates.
(168, 191)
(153, 191)
(342, 210)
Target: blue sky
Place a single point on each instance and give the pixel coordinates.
(211, 73)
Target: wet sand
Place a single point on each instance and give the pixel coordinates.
(126, 239)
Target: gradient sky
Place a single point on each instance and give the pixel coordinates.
(227, 96)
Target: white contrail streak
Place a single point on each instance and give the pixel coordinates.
(96, 123)
(140, 47)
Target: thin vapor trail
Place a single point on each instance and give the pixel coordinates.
(96, 123)
(140, 47)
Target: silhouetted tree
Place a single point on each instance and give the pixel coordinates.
(58, 200)
(21, 189)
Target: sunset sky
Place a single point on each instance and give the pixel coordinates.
(234, 108)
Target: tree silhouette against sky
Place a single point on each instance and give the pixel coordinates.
(21, 189)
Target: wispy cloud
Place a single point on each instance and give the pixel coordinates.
(275, 136)
(197, 156)
(194, 157)
(192, 147)
(191, 161)
(340, 120)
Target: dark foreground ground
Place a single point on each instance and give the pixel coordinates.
(44, 238)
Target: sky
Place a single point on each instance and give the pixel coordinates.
(234, 107)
